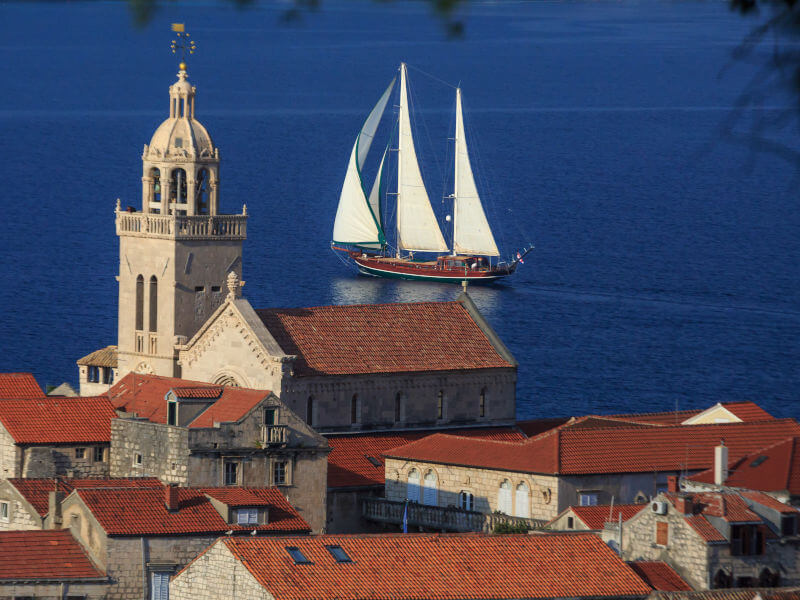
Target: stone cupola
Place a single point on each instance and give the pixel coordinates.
(181, 164)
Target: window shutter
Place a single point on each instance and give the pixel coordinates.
(662, 534)
(160, 586)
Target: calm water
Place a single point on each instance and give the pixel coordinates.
(666, 262)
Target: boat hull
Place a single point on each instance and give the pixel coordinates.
(409, 270)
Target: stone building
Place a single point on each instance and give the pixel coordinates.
(49, 436)
(593, 518)
(198, 434)
(408, 567)
(718, 539)
(585, 462)
(49, 565)
(35, 503)
(97, 371)
(139, 537)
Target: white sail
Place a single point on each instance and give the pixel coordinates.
(471, 231)
(375, 193)
(417, 228)
(355, 221)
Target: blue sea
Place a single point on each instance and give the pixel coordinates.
(665, 273)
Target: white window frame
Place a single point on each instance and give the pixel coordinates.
(413, 487)
(504, 502)
(466, 500)
(247, 516)
(138, 460)
(5, 507)
(588, 498)
(159, 585)
(522, 500)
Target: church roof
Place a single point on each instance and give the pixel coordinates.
(105, 357)
(56, 420)
(19, 385)
(383, 338)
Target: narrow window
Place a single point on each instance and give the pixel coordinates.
(570, 523)
(178, 188)
(153, 303)
(99, 454)
(430, 489)
(159, 586)
(279, 473)
(466, 501)
(231, 469)
(80, 452)
(297, 556)
(662, 533)
(269, 416)
(482, 404)
(339, 554)
(398, 399)
(93, 374)
(4, 512)
(155, 174)
(172, 413)
(107, 374)
(201, 192)
(354, 409)
(412, 489)
(788, 525)
(137, 459)
(310, 410)
(139, 303)
(440, 405)
(504, 497)
(523, 501)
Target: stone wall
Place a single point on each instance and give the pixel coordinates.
(53, 591)
(21, 516)
(216, 574)
(10, 455)
(483, 484)
(49, 461)
(164, 450)
(622, 488)
(344, 511)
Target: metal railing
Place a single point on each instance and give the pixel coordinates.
(182, 227)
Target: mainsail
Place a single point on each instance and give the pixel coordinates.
(357, 221)
(471, 231)
(417, 228)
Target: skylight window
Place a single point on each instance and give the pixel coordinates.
(298, 557)
(374, 461)
(339, 554)
(758, 461)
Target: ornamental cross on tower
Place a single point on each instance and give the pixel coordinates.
(184, 43)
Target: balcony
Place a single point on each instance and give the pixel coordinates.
(438, 518)
(274, 435)
(174, 227)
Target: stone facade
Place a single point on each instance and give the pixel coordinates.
(78, 460)
(541, 499)
(197, 457)
(20, 514)
(697, 560)
(217, 574)
(53, 590)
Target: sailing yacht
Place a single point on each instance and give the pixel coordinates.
(359, 231)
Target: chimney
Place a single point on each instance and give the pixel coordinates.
(720, 463)
(54, 499)
(171, 496)
(684, 505)
(672, 484)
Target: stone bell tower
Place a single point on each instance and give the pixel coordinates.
(176, 252)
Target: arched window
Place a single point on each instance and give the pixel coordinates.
(178, 187)
(523, 502)
(354, 410)
(412, 489)
(722, 579)
(466, 500)
(504, 497)
(227, 380)
(440, 405)
(155, 175)
(310, 410)
(399, 412)
(430, 491)
(139, 303)
(482, 403)
(201, 192)
(153, 304)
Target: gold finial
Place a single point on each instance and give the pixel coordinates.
(184, 43)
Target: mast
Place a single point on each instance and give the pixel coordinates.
(455, 167)
(403, 93)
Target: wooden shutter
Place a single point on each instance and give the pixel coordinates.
(662, 533)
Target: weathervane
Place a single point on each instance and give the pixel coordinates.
(184, 43)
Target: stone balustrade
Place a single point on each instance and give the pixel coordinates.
(231, 227)
(272, 435)
(438, 517)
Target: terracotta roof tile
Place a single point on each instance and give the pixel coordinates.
(706, 530)
(234, 404)
(105, 357)
(53, 555)
(595, 517)
(746, 411)
(349, 463)
(769, 502)
(126, 512)
(37, 491)
(660, 576)
(568, 450)
(439, 567)
(211, 391)
(19, 385)
(381, 338)
(57, 420)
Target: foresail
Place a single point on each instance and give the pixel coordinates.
(417, 227)
(471, 231)
(377, 190)
(356, 221)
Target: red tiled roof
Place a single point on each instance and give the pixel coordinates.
(143, 512)
(282, 516)
(746, 411)
(56, 420)
(771, 469)
(145, 395)
(19, 385)
(660, 576)
(381, 338)
(438, 567)
(536, 426)
(728, 506)
(567, 450)
(595, 517)
(212, 391)
(348, 465)
(234, 404)
(706, 530)
(37, 491)
(768, 501)
(52, 554)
